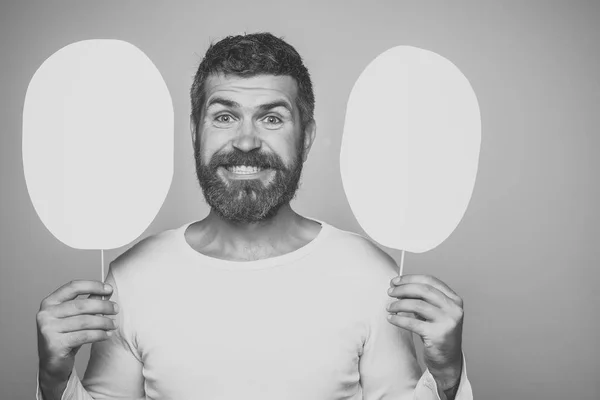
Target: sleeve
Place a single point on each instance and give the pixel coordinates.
(388, 365)
(114, 370)
(429, 386)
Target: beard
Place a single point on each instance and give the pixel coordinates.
(248, 200)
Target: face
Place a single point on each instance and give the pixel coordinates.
(249, 146)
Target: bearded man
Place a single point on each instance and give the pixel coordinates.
(254, 301)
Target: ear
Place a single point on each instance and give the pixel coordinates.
(310, 133)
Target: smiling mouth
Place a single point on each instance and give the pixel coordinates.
(243, 169)
(245, 172)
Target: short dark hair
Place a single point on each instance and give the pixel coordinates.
(250, 55)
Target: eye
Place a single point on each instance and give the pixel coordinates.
(224, 118)
(273, 120)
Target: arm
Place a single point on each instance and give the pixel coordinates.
(114, 370)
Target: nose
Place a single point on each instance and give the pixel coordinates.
(247, 137)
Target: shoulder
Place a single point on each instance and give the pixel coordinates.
(364, 255)
(142, 256)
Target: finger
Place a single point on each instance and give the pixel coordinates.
(95, 296)
(71, 290)
(408, 323)
(79, 338)
(417, 307)
(431, 281)
(411, 315)
(420, 291)
(99, 297)
(85, 322)
(85, 306)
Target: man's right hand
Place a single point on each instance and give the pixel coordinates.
(64, 324)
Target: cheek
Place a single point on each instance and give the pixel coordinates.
(205, 149)
(286, 149)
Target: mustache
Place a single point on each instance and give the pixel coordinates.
(250, 159)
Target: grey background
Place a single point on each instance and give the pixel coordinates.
(525, 255)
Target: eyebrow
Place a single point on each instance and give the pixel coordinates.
(275, 104)
(222, 101)
(263, 107)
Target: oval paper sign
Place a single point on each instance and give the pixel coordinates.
(410, 148)
(97, 143)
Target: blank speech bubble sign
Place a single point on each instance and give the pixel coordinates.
(98, 143)
(410, 148)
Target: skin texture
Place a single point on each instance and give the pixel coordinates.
(428, 307)
(250, 218)
(64, 324)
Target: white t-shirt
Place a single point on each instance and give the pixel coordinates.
(307, 325)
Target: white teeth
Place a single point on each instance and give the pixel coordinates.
(243, 170)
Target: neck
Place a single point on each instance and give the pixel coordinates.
(240, 236)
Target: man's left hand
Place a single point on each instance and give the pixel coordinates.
(429, 308)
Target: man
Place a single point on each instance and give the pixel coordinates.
(255, 301)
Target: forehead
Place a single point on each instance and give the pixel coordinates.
(251, 90)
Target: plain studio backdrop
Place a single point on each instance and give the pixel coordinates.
(525, 255)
